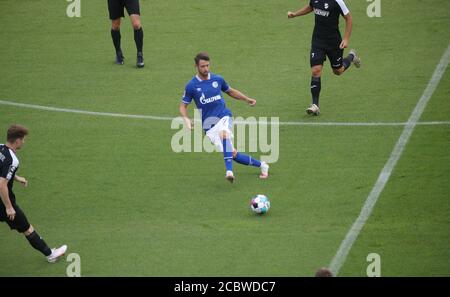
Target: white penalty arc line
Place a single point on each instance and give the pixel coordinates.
(163, 118)
(347, 243)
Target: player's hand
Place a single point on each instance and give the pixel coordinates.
(10, 213)
(23, 181)
(251, 102)
(291, 15)
(189, 124)
(343, 44)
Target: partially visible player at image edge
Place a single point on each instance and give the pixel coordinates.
(10, 212)
(327, 41)
(116, 12)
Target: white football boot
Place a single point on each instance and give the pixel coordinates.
(229, 176)
(356, 60)
(313, 110)
(56, 253)
(264, 170)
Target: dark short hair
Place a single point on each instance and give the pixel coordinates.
(324, 272)
(201, 56)
(15, 132)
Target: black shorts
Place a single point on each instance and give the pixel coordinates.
(20, 222)
(116, 8)
(319, 55)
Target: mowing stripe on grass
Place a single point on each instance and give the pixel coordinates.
(162, 118)
(347, 243)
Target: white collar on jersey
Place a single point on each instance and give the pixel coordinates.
(13, 156)
(199, 79)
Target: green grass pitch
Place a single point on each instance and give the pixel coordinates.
(116, 193)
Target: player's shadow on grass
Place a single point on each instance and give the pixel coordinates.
(310, 118)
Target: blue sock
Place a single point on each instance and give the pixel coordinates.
(228, 154)
(247, 160)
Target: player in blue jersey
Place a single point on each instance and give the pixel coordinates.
(205, 89)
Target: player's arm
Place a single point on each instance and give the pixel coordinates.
(21, 180)
(4, 195)
(348, 30)
(185, 116)
(240, 96)
(302, 11)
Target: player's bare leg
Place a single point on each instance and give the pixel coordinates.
(138, 38)
(316, 73)
(339, 71)
(115, 35)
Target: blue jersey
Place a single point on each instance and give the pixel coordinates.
(207, 95)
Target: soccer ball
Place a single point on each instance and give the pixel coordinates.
(260, 204)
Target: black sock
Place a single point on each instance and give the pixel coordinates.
(38, 243)
(347, 61)
(116, 39)
(315, 89)
(139, 39)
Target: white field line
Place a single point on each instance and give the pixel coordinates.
(163, 118)
(347, 243)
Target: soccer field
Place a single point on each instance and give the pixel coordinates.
(113, 190)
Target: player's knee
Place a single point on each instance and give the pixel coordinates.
(316, 72)
(338, 71)
(115, 25)
(29, 231)
(224, 135)
(136, 23)
(234, 153)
